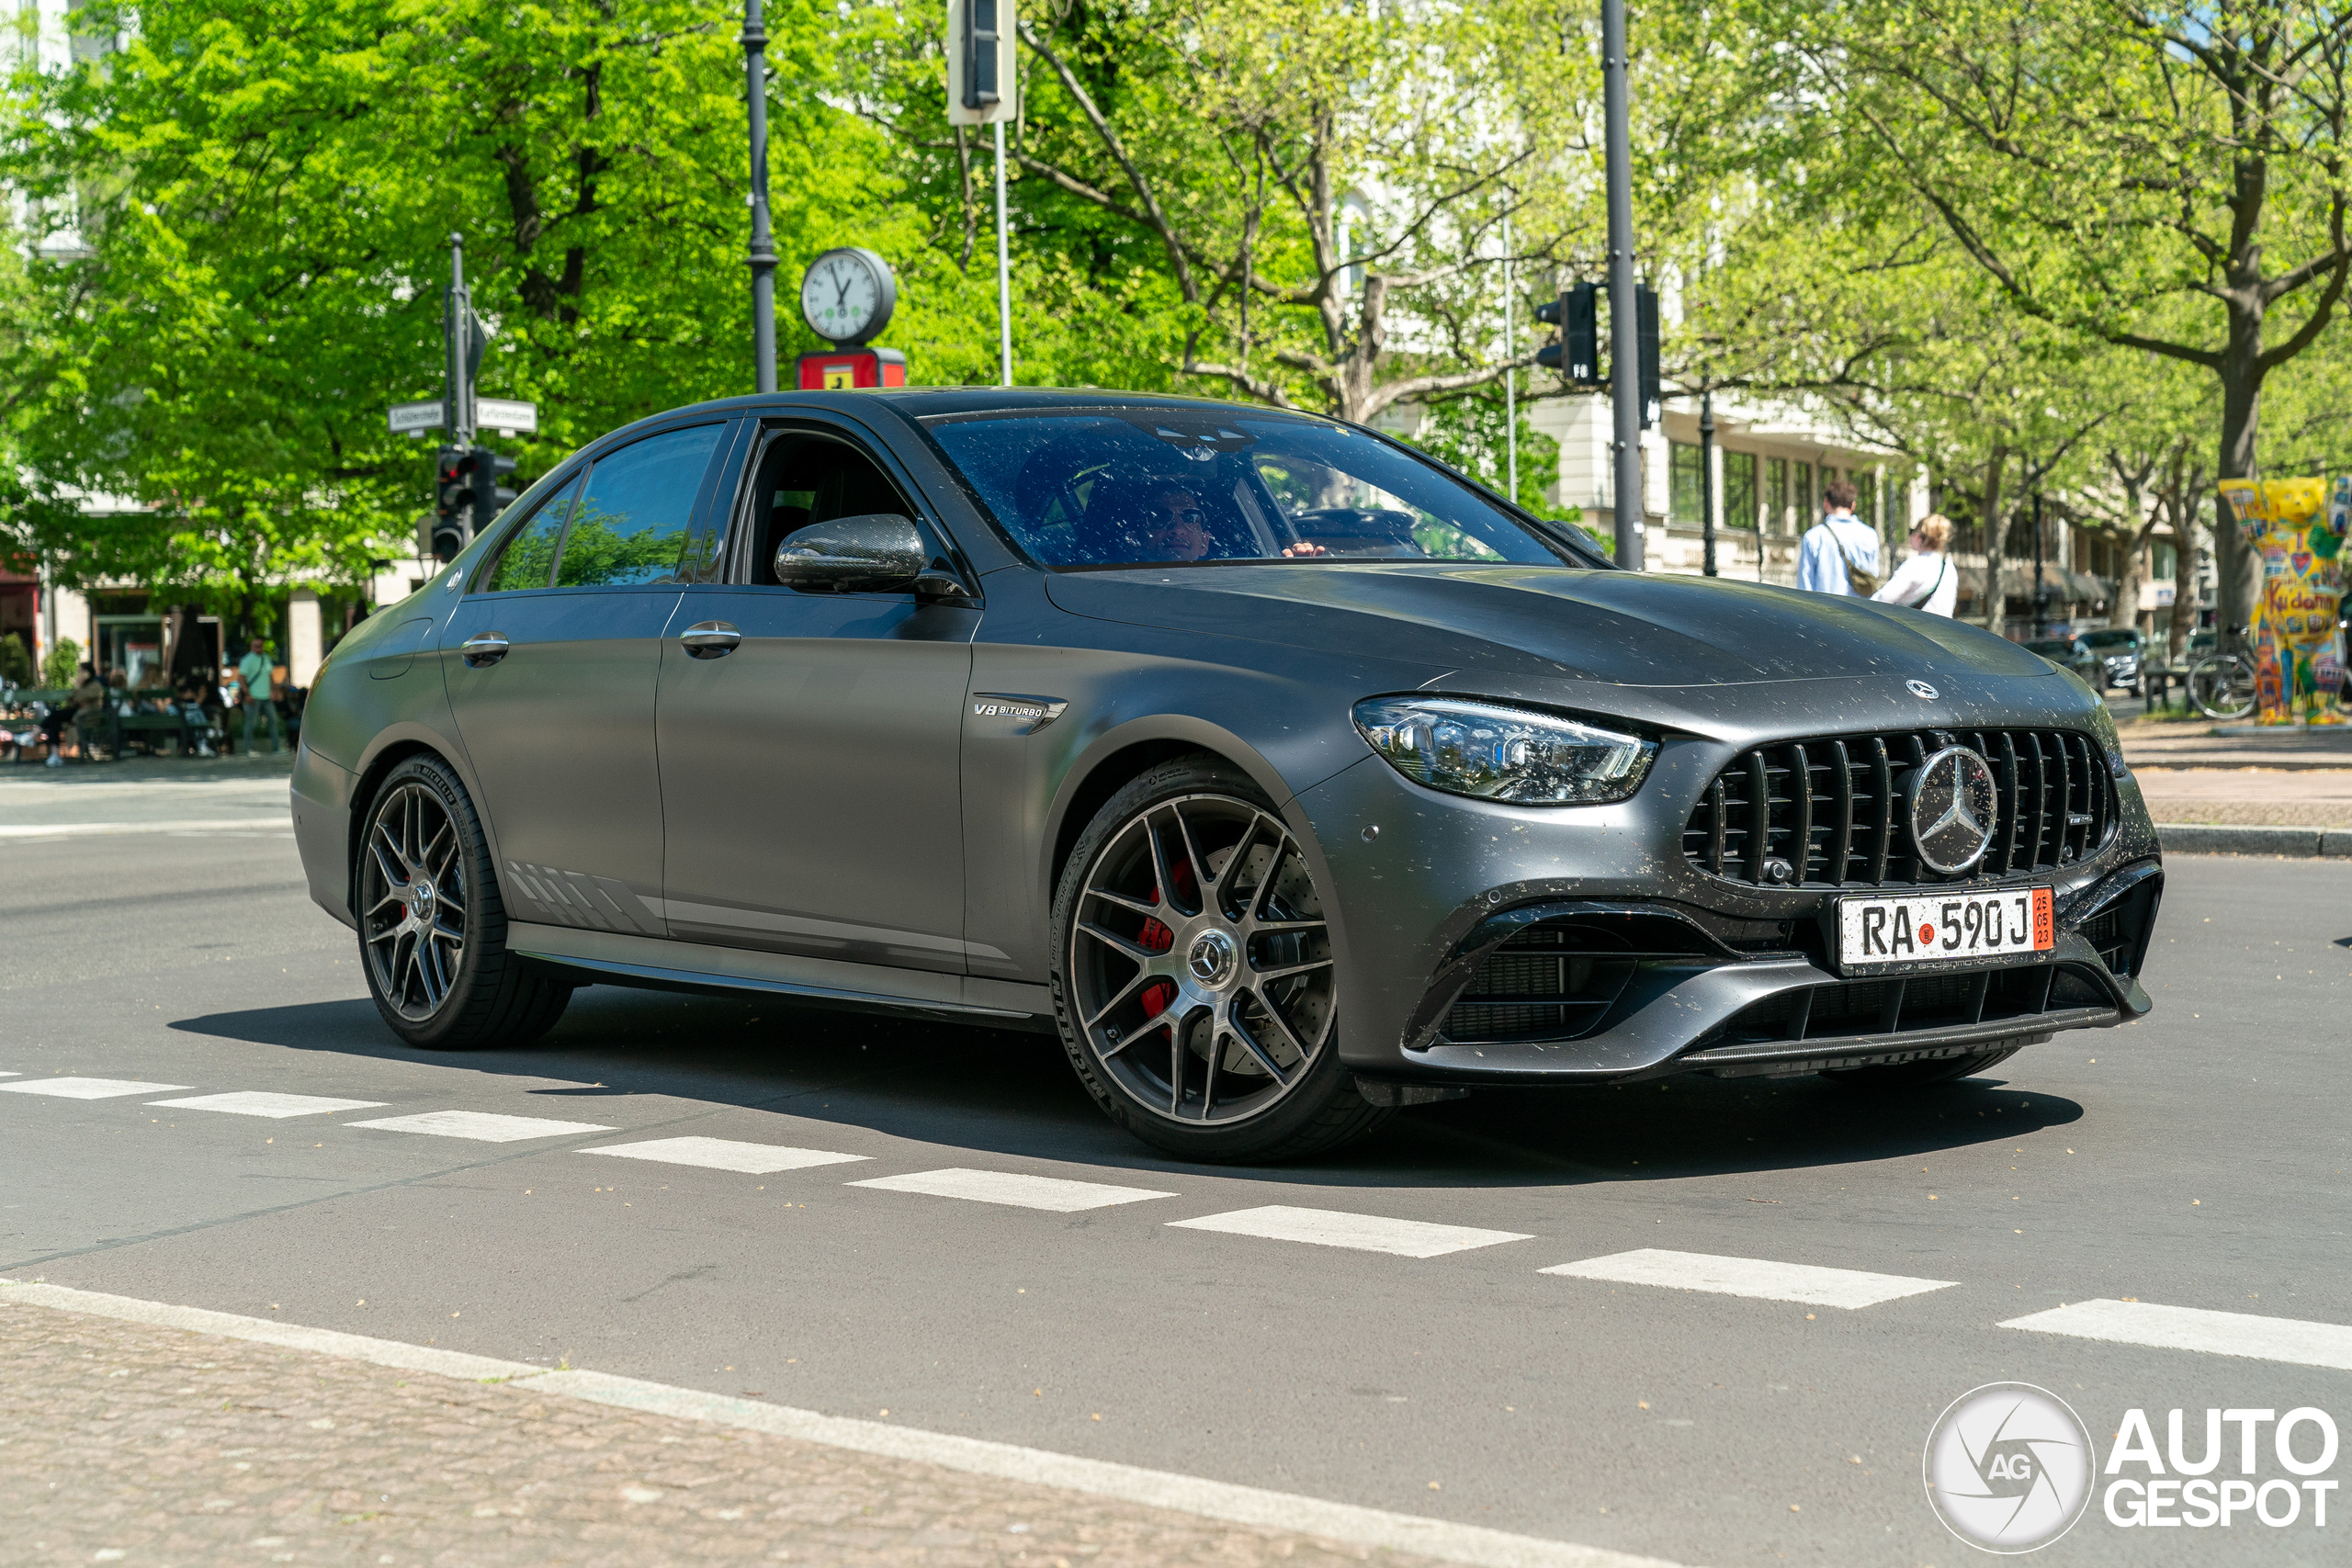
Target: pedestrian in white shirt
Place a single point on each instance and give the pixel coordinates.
(1840, 554)
(1926, 580)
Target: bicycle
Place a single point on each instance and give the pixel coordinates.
(2221, 684)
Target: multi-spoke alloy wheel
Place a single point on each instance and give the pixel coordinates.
(432, 928)
(1196, 972)
(413, 900)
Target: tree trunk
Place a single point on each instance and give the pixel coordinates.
(2123, 610)
(2184, 573)
(1996, 540)
(2242, 373)
(2124, 613)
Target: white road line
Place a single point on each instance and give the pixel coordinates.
(1375, 1528)
(725, 1154)
(1007, 1187)
(481, 1126)
(99, 830)
(1749, 1277)
(2197, 1328)
(86, 1088)
(262, 1102)
(1365, 1233)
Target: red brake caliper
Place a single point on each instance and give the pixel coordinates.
(1156, 938)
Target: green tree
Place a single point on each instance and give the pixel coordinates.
(269, 188)
(2171, 179)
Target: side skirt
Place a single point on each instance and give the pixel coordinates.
(655, 963)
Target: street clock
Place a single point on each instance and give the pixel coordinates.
(848, 296)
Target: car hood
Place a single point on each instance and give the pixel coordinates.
(1625, 628)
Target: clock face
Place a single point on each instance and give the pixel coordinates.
(846, 296)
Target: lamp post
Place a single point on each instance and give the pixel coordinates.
(1510, 382)
(1707, 475)
(762, 254)
(1624, 318)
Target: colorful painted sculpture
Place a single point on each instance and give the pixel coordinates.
(2298, 526)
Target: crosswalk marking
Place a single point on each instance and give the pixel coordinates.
(1749, 1277)
(262, 1102)
(725, 1154)
(2198, 1329)
(1365, 1233)
(482, 1126)
(1007, 1187)
(88, 1089)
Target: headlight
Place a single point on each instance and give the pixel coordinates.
(1504, 753)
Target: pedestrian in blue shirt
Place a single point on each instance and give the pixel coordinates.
(1840, 554)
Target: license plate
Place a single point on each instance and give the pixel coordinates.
(1898, 931)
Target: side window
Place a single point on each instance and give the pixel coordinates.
(806, 478)
(630, 523)
(529, 557)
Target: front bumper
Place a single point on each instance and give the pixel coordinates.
(1656, 968)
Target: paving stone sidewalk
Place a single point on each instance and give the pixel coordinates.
(123, 1442)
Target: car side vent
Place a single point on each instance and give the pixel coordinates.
(1829, 812)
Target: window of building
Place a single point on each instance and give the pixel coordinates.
(1865, 484)
(1682, 471)
(1776, 495)
(1807, 515)
(1739, 490)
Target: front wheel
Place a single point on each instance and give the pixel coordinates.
(1194, 975)
(2222, 685)
(432, 928)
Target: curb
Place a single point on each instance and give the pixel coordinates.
(2295, 843)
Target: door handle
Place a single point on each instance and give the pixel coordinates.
(483, 648)
(710, 639)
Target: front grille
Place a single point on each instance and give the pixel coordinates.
(1829, 812)
(1851, 1008)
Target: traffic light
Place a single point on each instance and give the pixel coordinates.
(452, 501)
(491, 495)
(1576, 356)
(979, 50)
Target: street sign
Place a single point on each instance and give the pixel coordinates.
(413, 418)
(508, 417)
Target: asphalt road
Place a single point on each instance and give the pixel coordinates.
(2197, 1159)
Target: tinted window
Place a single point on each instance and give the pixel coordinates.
(529, 556)
(1158, 485)
(2103, 642)
(632, 520)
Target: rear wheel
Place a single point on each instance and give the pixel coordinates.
(1193, 977)
(432, 928)
(1896, 1077)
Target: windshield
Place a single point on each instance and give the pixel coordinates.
(1156, 486)
(2052, 646)
(2110, 639)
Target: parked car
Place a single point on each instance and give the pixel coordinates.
(2115, 653)
(1283, 773)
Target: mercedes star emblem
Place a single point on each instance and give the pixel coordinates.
(1921, 689)
(1955, 803)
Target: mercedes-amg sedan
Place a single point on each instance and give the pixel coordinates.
(1286, 774)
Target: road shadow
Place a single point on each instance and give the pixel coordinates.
(997, 1091)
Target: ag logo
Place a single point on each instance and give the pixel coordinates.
(2009, 1467)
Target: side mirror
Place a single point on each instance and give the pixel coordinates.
(875, 552)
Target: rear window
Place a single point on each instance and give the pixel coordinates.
(1134, 486)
